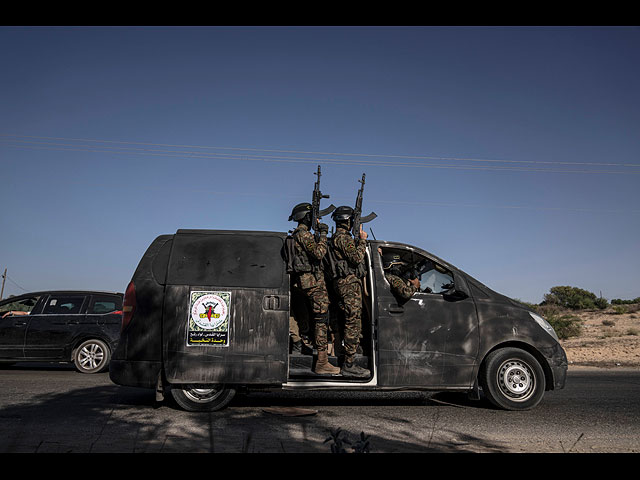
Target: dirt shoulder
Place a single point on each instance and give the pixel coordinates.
(608, 340)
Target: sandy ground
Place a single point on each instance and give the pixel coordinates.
(607, 340)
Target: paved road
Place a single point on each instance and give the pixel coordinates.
(51, 408)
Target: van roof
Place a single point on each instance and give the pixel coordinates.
(187, 231)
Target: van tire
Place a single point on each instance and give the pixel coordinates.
(512, 379)
(92, 356)
(202, 398)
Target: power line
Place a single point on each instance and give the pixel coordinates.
(227, 156)
(12, 281)
(297, 159)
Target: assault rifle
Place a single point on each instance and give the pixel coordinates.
(316, 213)
(357, 212)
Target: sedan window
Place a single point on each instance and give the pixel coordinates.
(23, 306)
(101, 304)
(63, 305)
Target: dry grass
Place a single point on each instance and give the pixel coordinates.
(608, 338)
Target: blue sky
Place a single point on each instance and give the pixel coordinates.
(511, 152)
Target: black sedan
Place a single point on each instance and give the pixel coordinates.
(82, 327)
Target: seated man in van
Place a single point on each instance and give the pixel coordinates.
(402, 279)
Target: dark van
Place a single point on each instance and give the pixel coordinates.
(207, 314)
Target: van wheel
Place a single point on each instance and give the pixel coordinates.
(512, 379)
(203, 398)
(91, 356)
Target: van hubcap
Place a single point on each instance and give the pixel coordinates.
(516, 380)
(203, 395)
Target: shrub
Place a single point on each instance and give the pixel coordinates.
(617, 301)
(574, 298)
(531, 306)
(566, 326)
(619, 309)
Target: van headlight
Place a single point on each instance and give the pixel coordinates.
(546, 326)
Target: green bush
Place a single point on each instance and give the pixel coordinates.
(574, 298)
(566, 326)
(618, 301)
(602, 303)
(531, 306)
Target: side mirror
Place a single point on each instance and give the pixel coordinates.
(458, 289)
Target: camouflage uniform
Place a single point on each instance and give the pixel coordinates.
(400, 287)
(312, 280)
(350, 255)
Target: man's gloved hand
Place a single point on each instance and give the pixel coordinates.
(323, 228)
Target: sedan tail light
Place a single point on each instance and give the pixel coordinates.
(128, 305)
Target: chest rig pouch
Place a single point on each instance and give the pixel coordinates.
(341, 267)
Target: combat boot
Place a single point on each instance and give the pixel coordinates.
(323, 367)
(350, 369)
(296, 347)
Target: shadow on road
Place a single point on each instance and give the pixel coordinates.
(111, 418)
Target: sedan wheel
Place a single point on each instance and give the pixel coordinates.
(91, 356)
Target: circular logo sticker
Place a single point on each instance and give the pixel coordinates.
(209, 311)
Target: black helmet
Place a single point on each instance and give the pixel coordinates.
(342, 214)
(391, 260)
(300, 211)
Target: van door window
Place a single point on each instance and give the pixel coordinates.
(435, 279)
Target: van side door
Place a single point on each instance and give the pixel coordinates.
(226, 309)
(430, 340)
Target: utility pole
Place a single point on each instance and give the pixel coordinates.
(4, 276)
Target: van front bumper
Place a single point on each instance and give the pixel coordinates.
(558, 364)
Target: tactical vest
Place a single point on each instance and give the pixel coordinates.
(340, 267)
(297, 259)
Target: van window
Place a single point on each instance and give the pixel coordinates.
(434, 278)
(232, 260)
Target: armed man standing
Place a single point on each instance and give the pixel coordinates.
(349, 270)
(309, 250)
(347, 256)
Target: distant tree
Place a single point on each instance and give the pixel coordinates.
(618, 301)
(574, 298)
